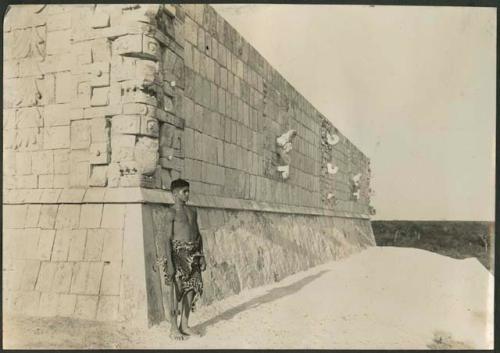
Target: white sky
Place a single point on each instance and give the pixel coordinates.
(412, 87)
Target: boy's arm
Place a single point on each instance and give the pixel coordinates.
(169, 270)
(202, 259)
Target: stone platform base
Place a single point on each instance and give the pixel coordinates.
(95, 261)
(246, 249)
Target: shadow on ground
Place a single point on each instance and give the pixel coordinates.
(270, 296)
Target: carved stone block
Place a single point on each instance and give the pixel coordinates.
(80, 134)
(84, 94)
(57, 114)
(146, 155)
(126, 124)
(101, 50)
(99, 128)
(56, 137)
(99, 20)
(150, 48)
(122, 147)
(149, 126)
(29, 42)
(29, 117)
(58, 42)
(65, 87)
(99, 153)
(98, 176)
(100, 96)
(136, 92)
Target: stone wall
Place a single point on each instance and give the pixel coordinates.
(236, 105)
(104, 105)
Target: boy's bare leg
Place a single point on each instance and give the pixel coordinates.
(172, 311)
(186, 309)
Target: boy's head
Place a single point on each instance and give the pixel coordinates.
(180, 190)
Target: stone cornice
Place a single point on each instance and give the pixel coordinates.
(155, 196)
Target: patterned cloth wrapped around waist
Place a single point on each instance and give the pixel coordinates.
(186, 255)
(186, 259)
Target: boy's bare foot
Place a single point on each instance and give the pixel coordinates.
(189, 331)
(177, 335)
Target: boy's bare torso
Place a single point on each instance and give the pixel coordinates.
(185, 227)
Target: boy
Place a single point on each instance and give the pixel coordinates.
(184, 259)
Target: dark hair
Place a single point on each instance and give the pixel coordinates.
(178, 183)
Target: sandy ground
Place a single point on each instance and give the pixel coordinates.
(392, 298)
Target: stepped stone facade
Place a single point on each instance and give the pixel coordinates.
(104, 105)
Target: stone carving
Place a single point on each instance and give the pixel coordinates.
(332, 139)
(331, 170)
(329, 198)
(284, 143)
(26, 138)
(284, 170)
(356, 179)
(29, 42)
(329, 138)
(372, 210)
(149, 89)
(356, 188)
(23, 92)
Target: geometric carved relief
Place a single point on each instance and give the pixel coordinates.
(146, 150)
(356, 186)
(329, 138)
(29, 42)
(284, 143)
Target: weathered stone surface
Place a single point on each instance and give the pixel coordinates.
(14, 216)
(61, 161)
(30, 275)
(71, 196)
(27, 303)
(65, 87)
(111, 278)
(77, 244)
(279, 246)
(32, 215)
(86, 307)
(107, 309)
(93, 248)
(66, 305)
(43, 162)
(94, 278)
(79, 279)
(80, 134)
(94, 195)
(99, 97)
(56, 137)
(113, 216)
(46, 181)
(23, 163)
(68, 216)
(90, 216)
(58, 42)
(48, 304)
(112, 245)
(47, 216)
(62, 277)
(79, 174)
(61, 245)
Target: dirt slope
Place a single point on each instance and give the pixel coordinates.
(384, 297)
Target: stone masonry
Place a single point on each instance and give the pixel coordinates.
(104, 105)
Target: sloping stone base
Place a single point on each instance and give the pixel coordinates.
(246, 249)
(97, 261)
